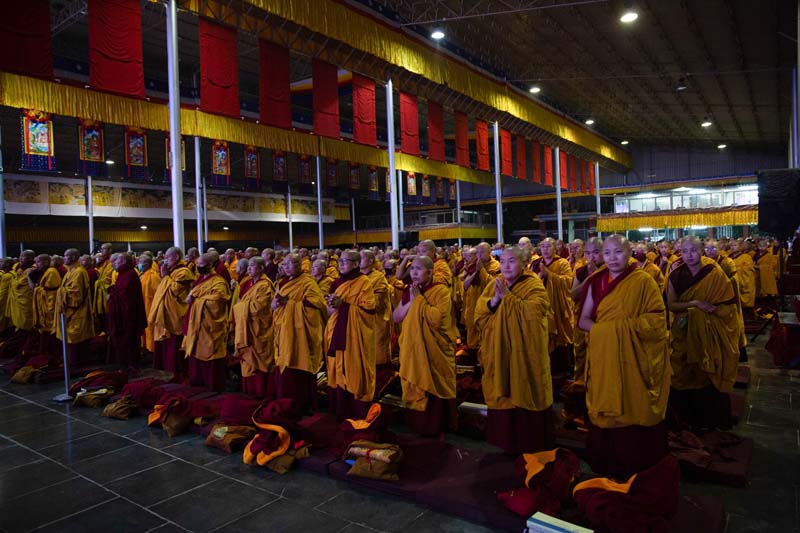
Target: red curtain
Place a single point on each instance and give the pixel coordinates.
(482, 144)
(115, 46)
(325, 93)
(591, 178)
(274, 91)
(435, 131)
(364, 123)
(506, 159)
(564, 179)
(522, 161)
(573, 173)
(409, 124)
(219, 70)
(584, 176)
(548, 166)
(462, 139)
(536, 161)
(25, 45)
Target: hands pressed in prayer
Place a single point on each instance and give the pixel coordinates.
(333, 300)
(164, 269)
(706, 307)
(500, 290)
(278, 301)
(543, 271)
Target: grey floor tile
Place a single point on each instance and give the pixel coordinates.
(7, 400)
(373, 510)
(432, 522)
(285, 515)
(158, 438)
(15, 456)
(50, 504)
(25, 424)
(55, 434)
(168, 528)
(195, 451)
(119, 463)
(356, 528)
(31, 477)
(213, 505)
(116, 515)
(85, 447)
(157, 484)
(19, 411)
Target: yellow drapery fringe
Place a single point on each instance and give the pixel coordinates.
(337, 21)
(728, 216)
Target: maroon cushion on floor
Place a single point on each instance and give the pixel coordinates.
(733, 468)
(699, 513)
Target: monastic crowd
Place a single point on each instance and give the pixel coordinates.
(636, 327)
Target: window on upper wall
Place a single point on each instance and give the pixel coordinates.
(663, 203)
(620, 205)
(716, 199)
(635, 205)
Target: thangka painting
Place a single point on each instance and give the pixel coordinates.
(252, 164)
(136, 153)
(354, 183)
(411, 184)
(90, 136)
(37, 141)
(220, 160)
(426, 186)
(331, 175)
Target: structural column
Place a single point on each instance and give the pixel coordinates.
(205, 211)
(400, 215)
(198, 195)
(353, 218)
(458, 211)
(597, 193)
(175, 123)
(319, 201)
(557, 172)
(289, 215)
(391, 181)
(3, 250)
(498, 184)
(90, 212)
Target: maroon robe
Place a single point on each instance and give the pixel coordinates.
(127, 319)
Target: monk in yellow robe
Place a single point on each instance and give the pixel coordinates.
(665, 257)
(73, 300)
(427, 352)
(206, 334)
(19, 305)
(642, 261)
(350, 340)
(705, 339)
(729, 268)
(512, 318)
(6, 278)
(746, 274)
(254, 339)
(576, 254)
(105, 274)
(44, 306)
(765, 263)
(305, 261)
(150, 278)
(299, 320)
(627, 365)
(479, 274)
(557, 275)
(593, 252)
(191, 258)
(383, 308)
(167, 313)
(441, 270)
(320, 274)
(231, 262)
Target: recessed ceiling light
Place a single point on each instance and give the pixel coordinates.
(589, 121)
(437, 35)
(142, 227)
(226, 228)
(722, 146)
(706, 122)
(535, 89)
(109, 162)
(681, 85)
(623, 143)
(628, 16)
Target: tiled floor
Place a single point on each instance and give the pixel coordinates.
(69, 469)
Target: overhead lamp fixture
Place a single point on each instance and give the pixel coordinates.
(437, 35)
(225, 228)
(722, 146)
(706, 122)
(682, 189)
(681, 85)
(535, 89)
(628, 14)
(645, 230)
(109, 162)
(589, 121)
(624, 143)
(143, 227)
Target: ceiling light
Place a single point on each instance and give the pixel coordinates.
(589, 121)
(225, 228)
(681, 85)
(721, 146)
(535, 89)
(682, 189)
(623, 143)
(142, 227)
(706, 122)
(109, 162)
(437, 35)
(645, 230)
(629, 14)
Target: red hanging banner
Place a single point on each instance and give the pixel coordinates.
(274, 90)
(522, 161)
(573, 173)
(409, 124)
(506, 158)
(219, 69)
(548, 166)
(25, 42)
(435, 131)
(325, 95)
(364, 123)
(482, 144)
(564, 177)
(536, 161)
(591, 178)
(115, 46)
(462, 139)
(584, 185)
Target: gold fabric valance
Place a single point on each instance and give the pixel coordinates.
(727, 216)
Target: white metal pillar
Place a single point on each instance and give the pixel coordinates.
(498, 184)
(400, 213)
(319, 201)
(205, 211)
(597, 191)
(353, 218)
(175, 123)
(557, 179)
(198, 194)
(394, 218)
(289, 215)
(90, 212)
(458, 211)
(3, 250)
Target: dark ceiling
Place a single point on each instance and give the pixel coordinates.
(735, 57)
